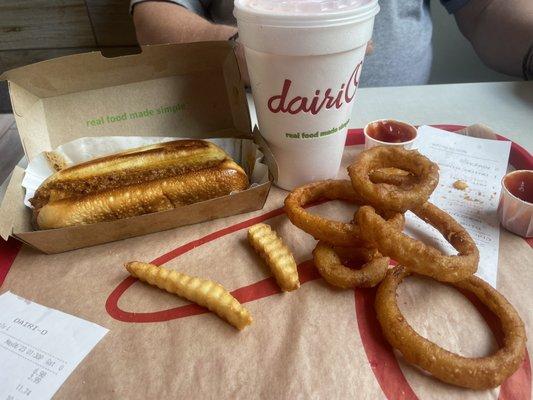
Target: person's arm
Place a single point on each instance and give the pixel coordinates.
(159, 22)
(501, 32)
(165, 22)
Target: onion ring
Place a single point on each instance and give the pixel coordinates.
(385, 196)
(334, 232)
(393, 176)
(474, 373)
(416, 255)
(329, 264)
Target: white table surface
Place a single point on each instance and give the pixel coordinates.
(505, 107)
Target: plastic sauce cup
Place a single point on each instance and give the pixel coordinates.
(389, 132)
(516, 208)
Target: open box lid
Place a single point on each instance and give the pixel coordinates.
(183, 90)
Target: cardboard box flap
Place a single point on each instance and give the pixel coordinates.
(87, 71)
(12, 208)
(188, 90)
(267, 154)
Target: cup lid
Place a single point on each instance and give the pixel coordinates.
(305, 12)
(305, 6)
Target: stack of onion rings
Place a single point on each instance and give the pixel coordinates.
(416, 255)
(334, 232)
(474, 373)
(387, 181)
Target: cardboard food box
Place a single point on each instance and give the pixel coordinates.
(187, 90)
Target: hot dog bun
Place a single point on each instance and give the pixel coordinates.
(134, 166)
(154, 178)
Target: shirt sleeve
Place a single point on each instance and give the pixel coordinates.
(453, 5)
(196, 6)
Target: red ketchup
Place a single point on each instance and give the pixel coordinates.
(391, 131)
(520, 184)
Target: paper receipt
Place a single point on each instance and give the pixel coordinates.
(481, 165)
(40, 347)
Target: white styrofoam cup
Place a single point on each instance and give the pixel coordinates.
(304, 59)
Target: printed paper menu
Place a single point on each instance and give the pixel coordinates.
(481, 164)
(40, 347)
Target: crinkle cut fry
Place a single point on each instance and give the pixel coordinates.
(204, 292)
(276, 254)
(474, 373)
